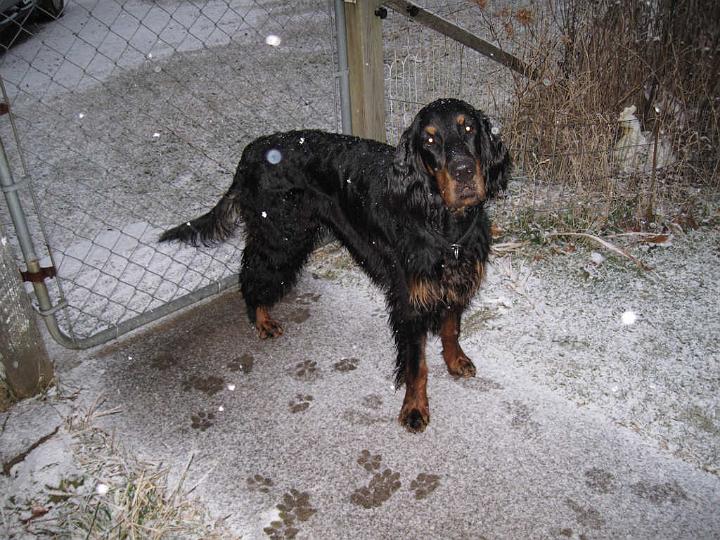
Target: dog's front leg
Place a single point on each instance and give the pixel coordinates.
(415, 412)
(458, 364)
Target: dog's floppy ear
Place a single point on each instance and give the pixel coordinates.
(494, 156)
(407, 180)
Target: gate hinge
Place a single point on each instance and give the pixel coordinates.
(41, 275)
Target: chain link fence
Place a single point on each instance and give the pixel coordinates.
(422, 65)
(584, 167)
(128, 116)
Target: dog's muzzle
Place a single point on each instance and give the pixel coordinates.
(462, 169)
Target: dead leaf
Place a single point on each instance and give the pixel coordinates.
(657, 239)
(36, 511)
(686, 221)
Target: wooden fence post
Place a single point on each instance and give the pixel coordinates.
(24, 364)
(365, 63)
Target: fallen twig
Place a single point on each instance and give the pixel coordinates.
(507, 247)
(607, 245)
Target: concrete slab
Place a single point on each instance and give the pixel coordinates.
(298, 436)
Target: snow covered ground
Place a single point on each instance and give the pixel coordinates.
(595, 411)
(581, 422)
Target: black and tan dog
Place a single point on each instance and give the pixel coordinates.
(411, 216)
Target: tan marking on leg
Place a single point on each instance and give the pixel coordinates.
(266, 326)
(457, 362)
(415, 411)
(479, 180)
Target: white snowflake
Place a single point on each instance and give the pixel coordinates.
(628, 317)
(273, 156)
(273, 40)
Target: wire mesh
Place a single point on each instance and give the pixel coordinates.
(422, 65)
(580, 167)
(131, 116)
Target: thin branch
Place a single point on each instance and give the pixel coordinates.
(607, 245)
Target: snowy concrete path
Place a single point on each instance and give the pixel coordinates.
(577, 426)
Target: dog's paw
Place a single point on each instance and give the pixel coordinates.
(461, 366)
(268, 328)
(414, 419)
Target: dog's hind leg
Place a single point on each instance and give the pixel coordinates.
(270, 267)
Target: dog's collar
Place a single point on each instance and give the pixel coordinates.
(456, 246)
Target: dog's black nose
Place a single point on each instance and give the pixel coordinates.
(462, 169)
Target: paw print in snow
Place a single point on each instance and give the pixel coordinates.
(369, 462)
(202, 420)
(380, 488)
(424, 485)
(209, 385)
(295, 506)
(242, 363)
(306, 371)
(346, 364)
(300, 403)
(259, 483)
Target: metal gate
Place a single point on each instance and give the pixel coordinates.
(128, 116)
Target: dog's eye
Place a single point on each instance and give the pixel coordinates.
(469, 129)
(430, 140)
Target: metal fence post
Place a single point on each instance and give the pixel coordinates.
(10, 189)
(343, 72)
(26, 368)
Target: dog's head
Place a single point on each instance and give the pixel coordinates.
(449, 154)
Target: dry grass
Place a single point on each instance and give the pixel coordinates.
(594, 60)
(6, 397)
(128, 499)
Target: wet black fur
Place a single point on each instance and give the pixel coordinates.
(379, 201)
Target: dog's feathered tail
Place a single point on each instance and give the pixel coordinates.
(209, 229)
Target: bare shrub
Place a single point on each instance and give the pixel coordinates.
(593, 60)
